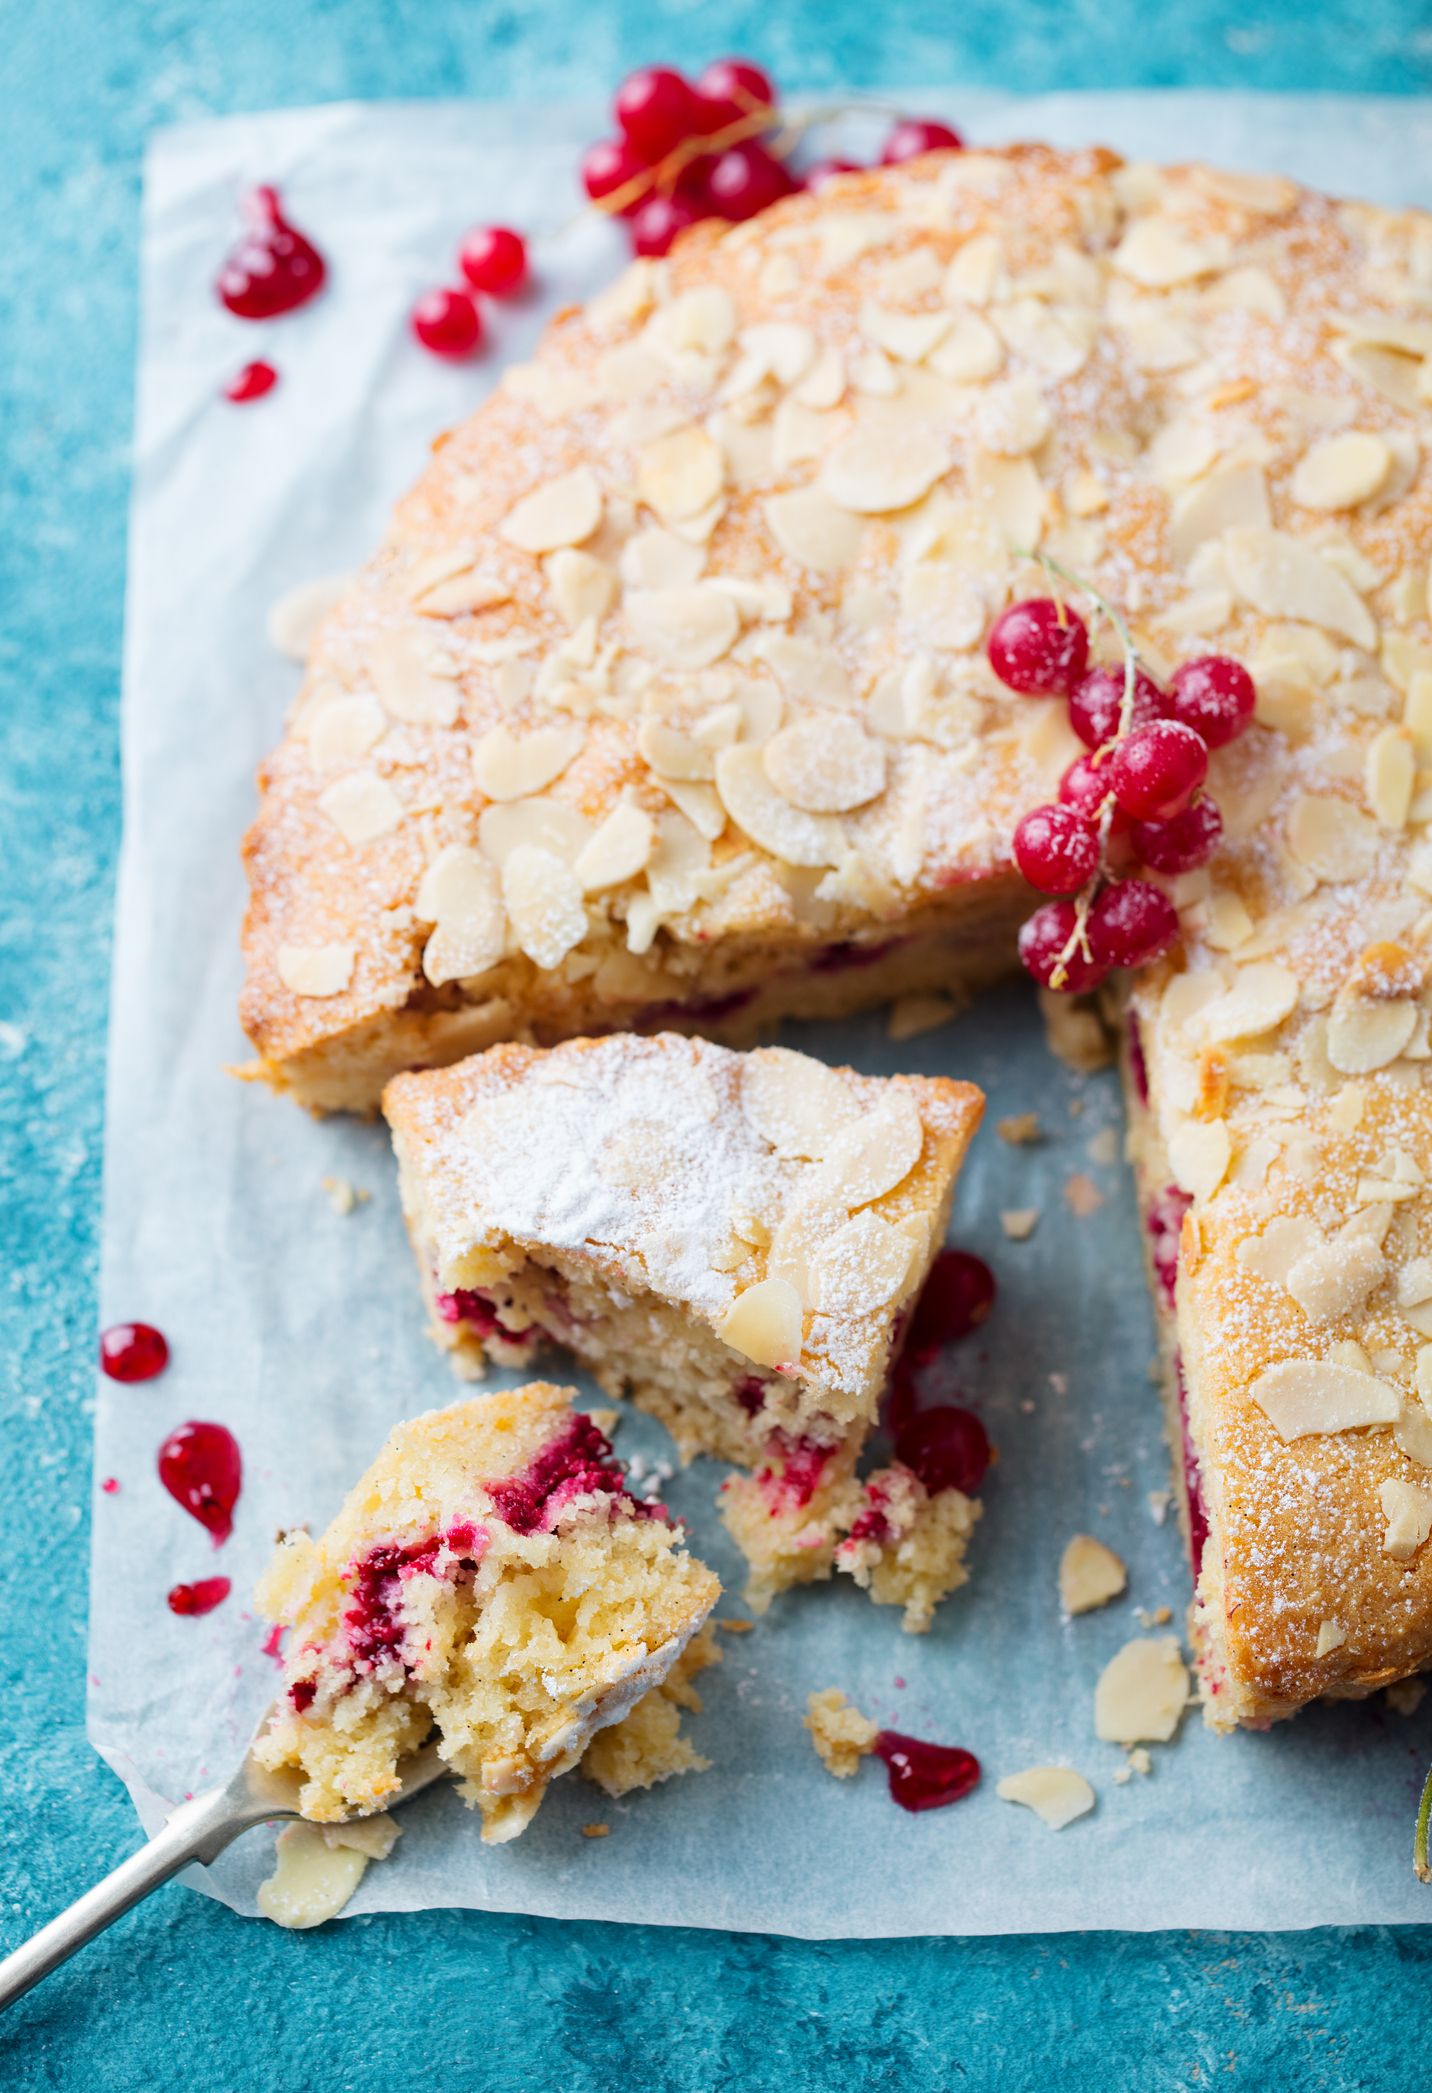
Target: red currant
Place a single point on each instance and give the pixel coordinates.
(745, 179)
(251, 383)
(494, 259)
(1043, 941)
(825, 172)
(1156, 770)
(659, 220)
(1131, 922)
(1096, 706)
(1215, 696)
(1085, 787)
(448, 323)
(729, 89)
(611, 165)
(1056, 849)
(915, 135)
(947, 1447)
(133, 1351)
(1182, 844)
(655, 110)
(1039, 647)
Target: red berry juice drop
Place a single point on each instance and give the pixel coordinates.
(201, 1468)
(133, 1351)
(274, 268)
(202, 1597)
(926, 1776)
(251, 383)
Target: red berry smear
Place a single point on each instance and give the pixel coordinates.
(1131, 923)
(744, 180)
(1085, 787)
(251, 383)
(609, 166)
(1215, 696)
(202, 1597)
(1042, 942)
(1056, 849)
(926, 1776)
(133, 1351)
(916, 135)
(1182, 844)
(201, 1468)
(1156, 770)
(656, 224)
(274, 268)
(655, 111)
(956, 1298)
(1040, 648)
(947, 1447)
(493, 258)
(729, 89)
(1096, 705)
(448, 323)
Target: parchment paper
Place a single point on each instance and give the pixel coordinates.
(301, 1328)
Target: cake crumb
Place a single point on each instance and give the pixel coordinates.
(1081, 1195)
(841, 1735)
(1158, 1502)
(1140, 1760)
(344, 1196)
(1020, 1129)
(735, 1626)
(1103, 1147)
(1406, 1696)
(1074, 1033)
(912, 1015)
(1090, 1575)
(647, 1745)
(596, 1831)
(1019, 1222)
(1154, 1616)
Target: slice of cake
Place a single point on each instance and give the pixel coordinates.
(490, 1580)
(735, 1240)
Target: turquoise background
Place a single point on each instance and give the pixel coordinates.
(182, 1993)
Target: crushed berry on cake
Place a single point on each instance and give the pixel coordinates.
(478, 1313)
(579, 1464)
(302, 1694)
(751, 1394)
(201, 1468)
(926, 1776)
(375, 1631)
(1192, 1480)
(836, 958)
(802, 1463)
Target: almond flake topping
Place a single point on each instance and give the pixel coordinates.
(1341, 471)
(825, 764)
(618, 851)
(550, 824)
(796, 1103)
(1336, 1278)
(362, 807)
(460, 895)
(1333, 838)
(294, 619)
(1056, 1794)
(1261, 996)
(561, 512)
(582, 587)
(461, 594)
(770, 820)
(1390, 775)
(315, 970)
(1301, 1397)
(1407, 1508)
(511, 766)
(881, 468)
(862, 1266)
(681, 473)
(1282, 577)
(869, 1158)
(544, 901)
(343, 731)
(685, 628)
(764, 1324)
(1364, 1035)
(1090, 1575)
(1199, 1154)
(413, 679)
(1158, 254)
(1142, 1692)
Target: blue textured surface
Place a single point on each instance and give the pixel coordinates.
(182, 1993)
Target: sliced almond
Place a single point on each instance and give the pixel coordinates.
(362, 807)
(1142, 1692)
(794, 1102)
(1013, 418)
(1273, 1254)
(658, 559)
(1157, 253)
(681, 473)
(813, 531)
(881, 468)
(1341, 471)
(618, 851)
(1407, 1508)
(1235, 497)
(315, 970)
(1336, 1278)
(770, 820)
(1056, 1794)
(544, 902)
(1364, 1035)
(1283, 577)
(877, 1152)
(807, 1222)
(861, 1267)
(564, 511)
(582, 587)
(1300, 1397)
(343, 731)
(1390, 775)
(548, 823)
(1260, 996)
(764, 1324)
(1199, 1153)
(1090, 1575)
(462, 594)
(510, 766)
(294, 619)
(407, 674)
(1333, 838)
(459, 894)
(685, 628)
(1413, 1432)
(825, 763)
(970, 351)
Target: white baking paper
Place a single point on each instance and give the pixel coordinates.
(301, 1328)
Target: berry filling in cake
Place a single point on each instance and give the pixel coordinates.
(491, 1581)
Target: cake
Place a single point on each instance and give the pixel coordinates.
(490, 1580)
(666, 704)
(734, 1240)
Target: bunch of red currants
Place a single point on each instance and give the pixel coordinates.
(1135, 799)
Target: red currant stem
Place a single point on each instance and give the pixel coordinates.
(1419, 1836)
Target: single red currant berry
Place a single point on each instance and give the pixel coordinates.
(729, 89)
(251, 383)
(825, 172)
(1056, 849)
(656, 110)
(1131, 923)
(1096, 706)
(745, 179)
(1044, 942)
(133, 1351)
(611, 165)
(1039, 647)
(915, 135)
(1182, 844)
(493, 258)
(1085, 787)
(947, 1447)
(657, 223)
(1156, 770)
(448, 323)
(1215, 696)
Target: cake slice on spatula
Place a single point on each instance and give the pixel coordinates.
(492, 1579)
